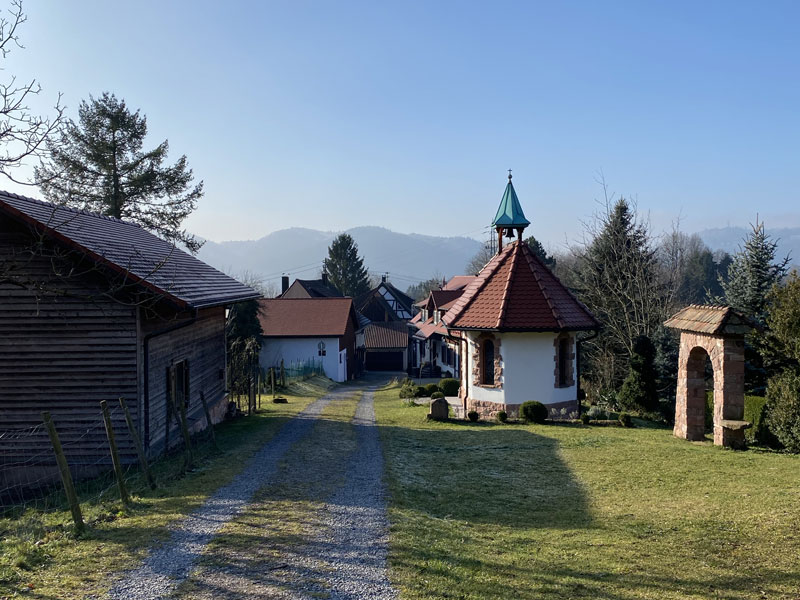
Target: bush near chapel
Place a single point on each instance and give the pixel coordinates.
(449, 386)
(533, 412)
(783, 409)
(639, 391)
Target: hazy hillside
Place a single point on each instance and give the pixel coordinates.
(730, 238)
(299, 252)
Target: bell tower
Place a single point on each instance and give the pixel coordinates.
(509, 218)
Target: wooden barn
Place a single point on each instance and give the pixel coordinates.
(94, 308)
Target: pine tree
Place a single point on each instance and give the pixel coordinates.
(538, 250)
(345, 268)
(98, 165)
(639, 388)
(752, 274)
(617, 276)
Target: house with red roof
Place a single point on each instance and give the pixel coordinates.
(310, 330)
(95, 308)
(518, 327)
(434, 351)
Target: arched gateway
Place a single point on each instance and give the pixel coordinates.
(716, 332)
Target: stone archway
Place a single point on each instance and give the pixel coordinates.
(716, 332)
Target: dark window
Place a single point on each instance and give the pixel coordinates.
(178, 383)
(488, 362)
(563, 361)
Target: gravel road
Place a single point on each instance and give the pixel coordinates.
(346, 558)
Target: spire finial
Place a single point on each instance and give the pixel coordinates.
(509, 174)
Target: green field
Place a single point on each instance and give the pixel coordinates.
(555, 511)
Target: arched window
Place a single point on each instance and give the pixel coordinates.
(488, 362)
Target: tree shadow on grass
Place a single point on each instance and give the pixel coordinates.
(481, 474)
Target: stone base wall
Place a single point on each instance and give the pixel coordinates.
(488, 410)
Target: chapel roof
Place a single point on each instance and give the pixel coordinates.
(509, 213)
(515, 291)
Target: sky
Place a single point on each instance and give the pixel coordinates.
(331, 115)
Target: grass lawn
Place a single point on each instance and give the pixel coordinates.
(40, 556)
(546, 511)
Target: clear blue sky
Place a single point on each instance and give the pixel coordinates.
(407, 115)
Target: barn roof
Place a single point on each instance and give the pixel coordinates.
(318, 288)
(127, 248)
(392, 334)
(305, 317)
(515, 291)
(711, 319)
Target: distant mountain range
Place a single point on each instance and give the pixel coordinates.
(298, 252)
(407, 257)
(730, 239)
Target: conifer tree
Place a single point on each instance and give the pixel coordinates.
(538, 250)
(99, 164)
(639, 388)
(345, 267)
(752, 274)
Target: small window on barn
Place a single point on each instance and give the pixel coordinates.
(488, 362)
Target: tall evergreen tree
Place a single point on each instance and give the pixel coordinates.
(639, 391)
(98, 164)
(752, 274)
(345, 267)
(538, 250)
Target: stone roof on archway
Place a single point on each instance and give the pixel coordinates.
(711, 319)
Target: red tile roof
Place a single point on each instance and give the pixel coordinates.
(304, 317)
(127, 248)
(459, 282)
(515, 291)
(392, 334)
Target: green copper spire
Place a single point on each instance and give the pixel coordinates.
(509, 214)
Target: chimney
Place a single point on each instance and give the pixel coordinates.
(383, 278)
(284, 284)
(324, 278)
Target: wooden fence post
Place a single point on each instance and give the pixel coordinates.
(187, 440)
(208, 420)
(112, 444)
(272, 380)
(137, 442)
(258, 387)
(66, 476)
(283, 375)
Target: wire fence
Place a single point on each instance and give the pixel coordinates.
(94, 457)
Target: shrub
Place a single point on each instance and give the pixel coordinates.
(449, 387)
(533, 412)
(625, 419)
(473, 416)
(408, 389)
(419, 391)
(502, 416)
(585, 418)
(430, 388)
(639, 388)
(783, 409)
(436, 395)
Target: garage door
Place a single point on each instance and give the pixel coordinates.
(384, 361)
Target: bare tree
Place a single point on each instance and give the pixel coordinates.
(22, 135)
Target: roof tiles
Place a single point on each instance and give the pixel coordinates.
(711, 319)
(515, 291)
(393, 334)
(304, 317)
(128, 248)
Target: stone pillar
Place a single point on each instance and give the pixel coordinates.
(729, 393)
(690, 401)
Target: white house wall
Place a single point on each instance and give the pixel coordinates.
(529, 369)
(301, 350)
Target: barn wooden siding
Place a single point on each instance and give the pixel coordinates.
(202, 344)
(64, 354)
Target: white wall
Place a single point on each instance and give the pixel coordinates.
(302, 349)
(530, 369)
(528, 361)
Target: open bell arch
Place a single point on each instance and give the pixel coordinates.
(717, 332)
